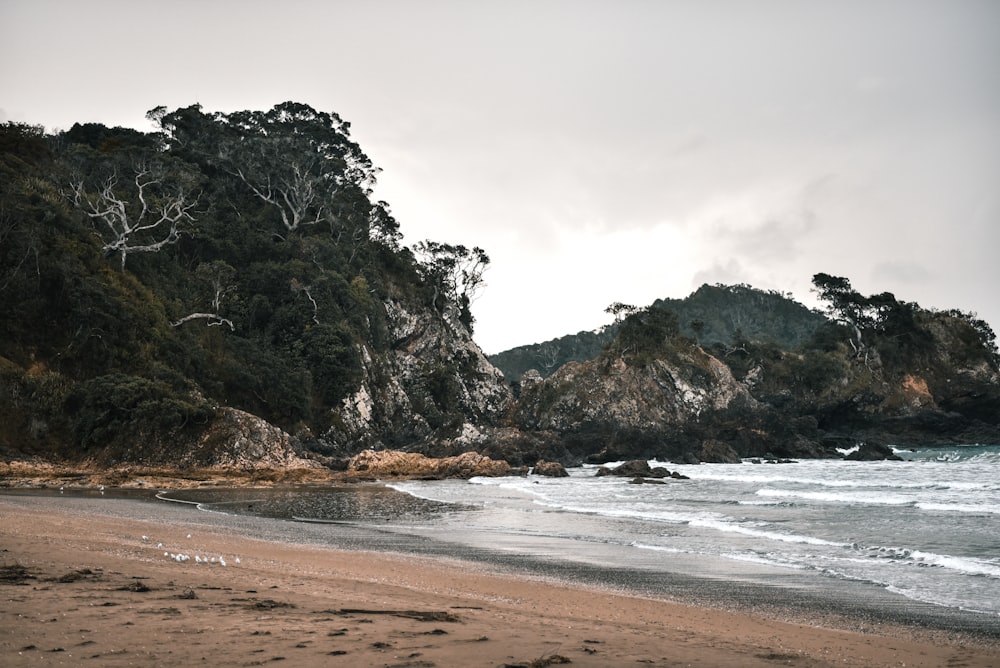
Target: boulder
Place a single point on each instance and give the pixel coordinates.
(635, 468)
(550, 469)
(687, 458)
(717, 452)
(871, 451)
(238, 440)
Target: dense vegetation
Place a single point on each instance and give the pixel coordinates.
(712, 315)
(871, 362)
(240, 260)
(763, 374)
(224, 259)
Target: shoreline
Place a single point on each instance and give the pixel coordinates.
(295, 596)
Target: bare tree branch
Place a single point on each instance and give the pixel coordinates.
(295, 194)
(214, 320)
(127, 233)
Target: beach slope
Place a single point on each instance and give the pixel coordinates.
(109, 589)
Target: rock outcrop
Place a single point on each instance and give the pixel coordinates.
(646, 396)
(636, 468)
(609, 408)
(640, 471)
(433, 383)
(717, 452)
(550, 469)
(870, 452)
(240, 441)
(395, 464)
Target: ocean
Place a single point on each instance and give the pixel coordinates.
(925, 530)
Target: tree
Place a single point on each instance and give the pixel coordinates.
(620, 311)
(140, 215)
(297, 160)
(455, 273)
(846, 305)
(217, 279)
(383, 227)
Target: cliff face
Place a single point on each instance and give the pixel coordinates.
(934, 381)
(433, 382)
(611, 408)
(263, 337)
(280, 313)
(613, 392)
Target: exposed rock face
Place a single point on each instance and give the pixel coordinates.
(631, 396)
(433, 382)
(239, 440)
(395, 464)
(622, 410)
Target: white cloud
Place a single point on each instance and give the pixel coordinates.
(598, 151)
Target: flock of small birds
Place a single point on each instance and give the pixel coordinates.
(179, 557)
(182, 557)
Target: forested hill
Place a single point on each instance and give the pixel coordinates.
(224, 261)
(723, 314)
(711, 315)
(225, 291)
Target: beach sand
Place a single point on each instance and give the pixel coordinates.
(84, 587)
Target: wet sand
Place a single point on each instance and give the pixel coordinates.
(96, 581)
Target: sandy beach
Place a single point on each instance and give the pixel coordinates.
(100, 583)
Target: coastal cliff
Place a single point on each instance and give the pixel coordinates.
(432, 382)
(265, 315)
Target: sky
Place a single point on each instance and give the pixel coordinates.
(598, 151)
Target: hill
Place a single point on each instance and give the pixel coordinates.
(227, 274)
(225, 292)
(711, 315)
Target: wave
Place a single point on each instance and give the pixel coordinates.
(960, 454)
(732, 527)
(869, 498)
(663, 516)
(920, 558)
(840, 482)
(971, 508)
(658, 548)
(966, 565)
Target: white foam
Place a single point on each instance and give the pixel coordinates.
(878, 499)
(973, 508)
(963, 564)
(729, 527)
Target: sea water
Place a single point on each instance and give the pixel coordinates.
(927, 528)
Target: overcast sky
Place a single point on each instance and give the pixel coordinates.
(598, 151)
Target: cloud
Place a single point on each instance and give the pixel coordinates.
(600, 151)
(901, 272)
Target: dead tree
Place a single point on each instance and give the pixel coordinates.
(140, 217)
